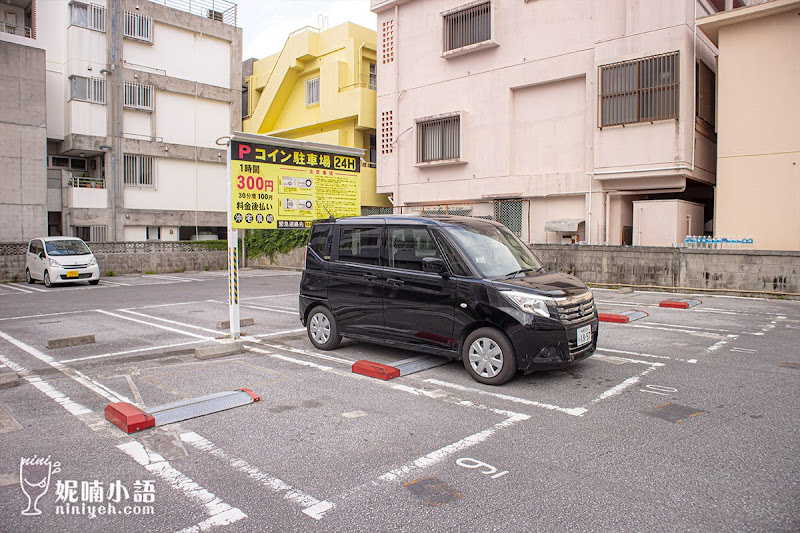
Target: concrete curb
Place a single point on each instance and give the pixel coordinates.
(71, 341)
(226, 324)
(219, 350)
(8, 380)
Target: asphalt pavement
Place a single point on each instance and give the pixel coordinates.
(685, 419)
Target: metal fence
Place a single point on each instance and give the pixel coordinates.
(221, 10)
(514, 214)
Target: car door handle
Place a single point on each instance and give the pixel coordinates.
(370, 277)
(396, 282)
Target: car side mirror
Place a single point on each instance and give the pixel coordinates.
(41, 255)
(433, 264)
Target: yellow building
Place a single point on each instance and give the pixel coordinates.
(758, 124)
(320, 88)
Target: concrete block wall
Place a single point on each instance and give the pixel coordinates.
(127, 258)
(737, 270)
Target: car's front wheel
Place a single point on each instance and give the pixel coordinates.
(94, 281)
(47, 282)
(322, 330)
(28, 277)
(489, 356)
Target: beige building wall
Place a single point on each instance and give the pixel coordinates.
(758, 87)
(528, 103)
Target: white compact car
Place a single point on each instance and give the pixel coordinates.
(60, 260)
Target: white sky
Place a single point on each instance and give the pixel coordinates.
(267, 23)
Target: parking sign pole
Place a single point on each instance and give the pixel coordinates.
(233, 261)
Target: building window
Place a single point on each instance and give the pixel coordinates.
(639, 90)
(373, 76)
(214, 15)
(468, 25)
(439, 139)
(312, 91)
(138, 171)
(138, 96)
(705, 88)
(138, 26)
(88, 89)
(89, 16)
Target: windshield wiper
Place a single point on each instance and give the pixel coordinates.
(520, 271)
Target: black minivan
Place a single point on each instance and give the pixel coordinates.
(465, 288)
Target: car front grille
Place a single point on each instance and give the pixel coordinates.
(576, 309)
(74, 266)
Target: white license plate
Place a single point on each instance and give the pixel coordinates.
(584, 335)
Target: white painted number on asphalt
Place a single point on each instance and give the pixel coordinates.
(468, 462)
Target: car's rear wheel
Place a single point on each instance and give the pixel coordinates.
(322, 330)
(28, 277)
(47, 282)
(489, 356)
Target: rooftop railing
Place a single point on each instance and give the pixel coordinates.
(221, 10)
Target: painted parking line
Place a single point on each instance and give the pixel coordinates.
(575, 411)
(160, 326)
(271, 309)
(11, 286)
(129, 352)
(75, 375)
(651, 356)
(173, 322)
(309, 505)
(114, 283)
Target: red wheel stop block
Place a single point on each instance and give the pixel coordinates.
(128, 417)
(376, 370)
(679, 304)
(613, 317)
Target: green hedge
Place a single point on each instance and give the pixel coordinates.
(268, 242)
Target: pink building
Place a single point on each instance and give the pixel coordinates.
(560, 113)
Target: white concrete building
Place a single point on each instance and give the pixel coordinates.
(561, 114)
(137, 94)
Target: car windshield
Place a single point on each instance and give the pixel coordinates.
(495, 251)
(70, 247)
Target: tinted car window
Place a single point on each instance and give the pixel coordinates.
(360, 244)
(452, 257)
(321, 240)
(408, 246)
(32, 247)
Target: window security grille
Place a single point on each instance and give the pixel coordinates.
(138, 96)
(98, 233)
(312, 91)
(468, 26)
(138, 171)
(138, 26)
(214, 15)
(639, 90)
(89, 89)
(89, 16)
(439, 139)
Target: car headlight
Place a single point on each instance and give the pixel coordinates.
(92, 262)
(54, 263)
(530, 303)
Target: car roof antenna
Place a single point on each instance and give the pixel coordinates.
(329, 213)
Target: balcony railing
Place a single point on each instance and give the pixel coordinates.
(87, 183)
(15, 29)
(221, 10)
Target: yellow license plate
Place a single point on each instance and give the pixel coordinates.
(72, 273)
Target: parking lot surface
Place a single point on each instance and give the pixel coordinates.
(686, 419)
